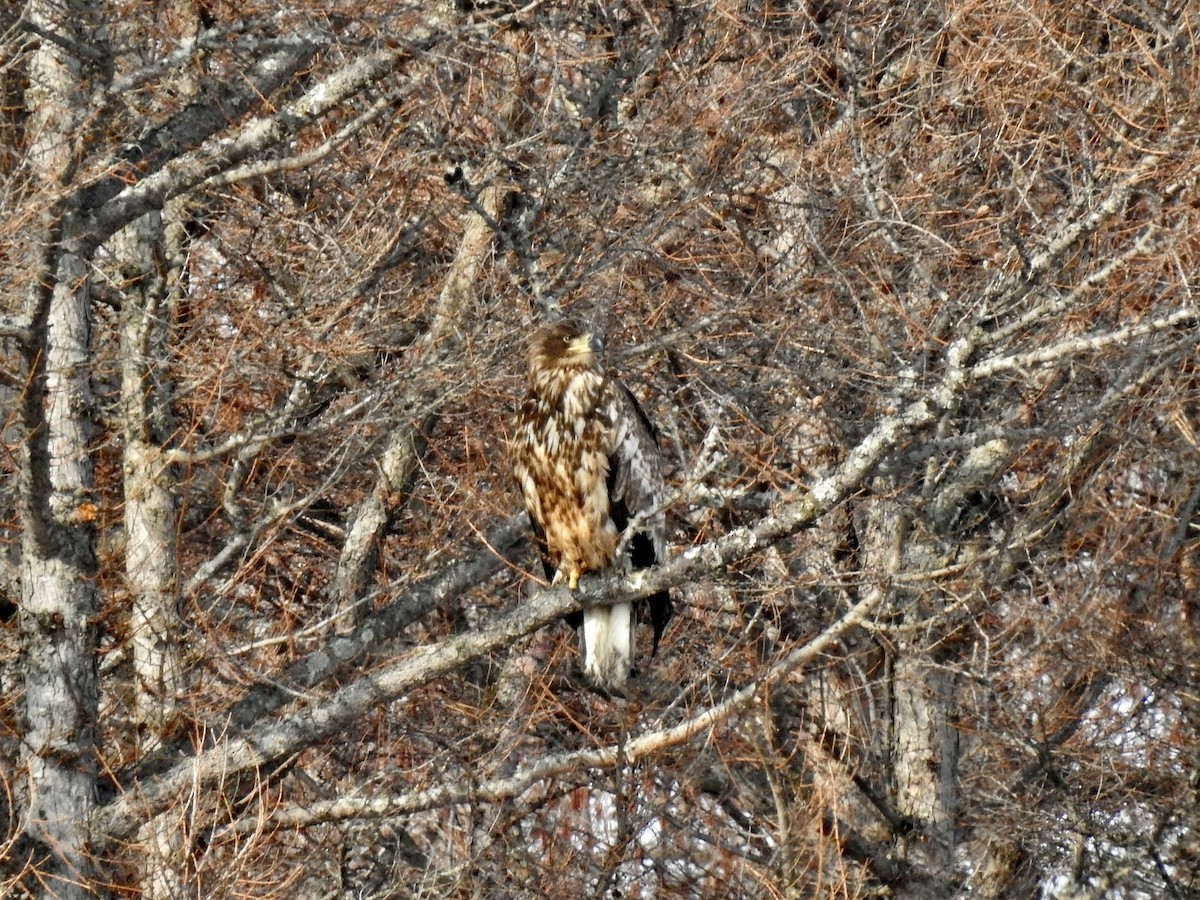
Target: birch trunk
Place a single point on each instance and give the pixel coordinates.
(922, 742)
(151, 557)
(58, 593)
(151, 252)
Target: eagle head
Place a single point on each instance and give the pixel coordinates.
(559, 352)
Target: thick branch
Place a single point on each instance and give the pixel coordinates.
(401, 458)
(309, 671)
(182, 171)
(637, 748)
(165, 150)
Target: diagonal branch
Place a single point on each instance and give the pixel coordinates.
(637, 748)
(180, 169)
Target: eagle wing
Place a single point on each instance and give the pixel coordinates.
(636, 493)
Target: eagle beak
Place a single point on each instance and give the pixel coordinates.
(586, 343)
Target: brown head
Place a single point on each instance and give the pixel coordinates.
(559, 352)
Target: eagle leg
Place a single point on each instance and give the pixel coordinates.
(573, 579)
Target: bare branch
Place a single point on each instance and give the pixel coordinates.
(637, 748)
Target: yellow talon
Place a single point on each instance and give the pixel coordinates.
(573, 579)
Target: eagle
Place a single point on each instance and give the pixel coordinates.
(587, 462)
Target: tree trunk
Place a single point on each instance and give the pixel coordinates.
(151, 255)
(58, 597)
(58, 634)
(925, 749)
(58, 592)
(922, 743)
(151, 554)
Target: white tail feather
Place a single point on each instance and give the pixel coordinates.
(608, 645)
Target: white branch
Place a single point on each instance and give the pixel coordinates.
(1089, 343)
(637, 748)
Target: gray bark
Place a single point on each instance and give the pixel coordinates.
(151, 256)
(151, 554)
(58, 594)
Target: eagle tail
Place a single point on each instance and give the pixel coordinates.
(608, 645)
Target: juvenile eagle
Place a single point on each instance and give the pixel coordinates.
(587, 463)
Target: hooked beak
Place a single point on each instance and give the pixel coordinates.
(586, 343)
